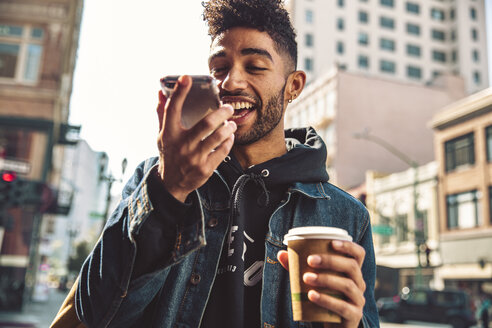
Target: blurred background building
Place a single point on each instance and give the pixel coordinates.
(38, 45)
(463, 139)
(394, 75)
(74, 233)
(398, 203)
(410, 41)
(342, 105)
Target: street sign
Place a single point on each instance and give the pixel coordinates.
(14, 165)
(381, 229)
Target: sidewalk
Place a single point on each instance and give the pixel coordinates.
(35, 314)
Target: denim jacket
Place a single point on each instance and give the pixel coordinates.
(174, 293)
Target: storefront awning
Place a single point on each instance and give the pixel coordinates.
(468, 271)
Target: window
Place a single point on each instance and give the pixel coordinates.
(340, 47)
(438, 35)
(474, 33)
(387, 44)
(387, 3)
(413, 29)
(413, 50)
(417, 298)
(387, 22)
(363, 38)
(309, 16)
(308, 64)
(401, 228)
(453, 35)
(387, 66)
(436, 74)
(454, 56)
(414, 72)
(437, 14)
(475, 56)
(340, 24)
(459, 152)
(463, 210)
(363, 61)
(363, 17)
(439, 56)
(476, 77)
(473, 13)
(413, 8)
(488, 133)
(452, 14)
(20, 52)
(448, 299)
(309, 40)
(341, 3)
(385, 221)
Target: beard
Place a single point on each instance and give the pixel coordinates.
(266, 120)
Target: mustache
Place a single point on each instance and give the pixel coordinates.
(224, 93)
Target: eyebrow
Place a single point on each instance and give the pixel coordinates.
(244, 52)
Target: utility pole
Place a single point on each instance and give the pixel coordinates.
(110, 179)
(418, 231)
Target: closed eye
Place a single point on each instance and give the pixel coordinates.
(256, 68)
(218, 70)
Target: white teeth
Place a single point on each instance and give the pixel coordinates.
(238, 105)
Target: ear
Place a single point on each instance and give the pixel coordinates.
(295, 84)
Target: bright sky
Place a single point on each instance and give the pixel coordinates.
(125, 48)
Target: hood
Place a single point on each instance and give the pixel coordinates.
(305, 161)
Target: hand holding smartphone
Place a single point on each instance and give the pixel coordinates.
(202, 98)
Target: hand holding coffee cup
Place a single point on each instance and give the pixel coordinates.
(325, 274)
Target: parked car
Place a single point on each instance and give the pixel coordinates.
(448, 306)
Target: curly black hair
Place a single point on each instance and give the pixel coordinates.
(264, 15)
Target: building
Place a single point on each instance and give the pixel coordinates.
(342, 105)
(410, 41)
(463, 144)
(38, 45)
(405, 223)
(81, 181)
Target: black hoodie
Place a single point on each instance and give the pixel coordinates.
(256, 193)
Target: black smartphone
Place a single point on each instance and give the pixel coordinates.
(202, 98)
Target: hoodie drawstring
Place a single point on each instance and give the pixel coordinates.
(237, 190)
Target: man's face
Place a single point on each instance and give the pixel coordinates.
(251, 75)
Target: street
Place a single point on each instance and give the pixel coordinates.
(35, 314)
(41, 314)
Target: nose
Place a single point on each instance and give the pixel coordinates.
(234, 81)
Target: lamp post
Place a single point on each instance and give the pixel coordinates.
(110, 179)
(418, 235)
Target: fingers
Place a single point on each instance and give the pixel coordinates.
(221, 151)
(175, 104)
(160, 109)
(221, 134)
(351, 249)
(210, 124)
(283, 258)
(334, 282)
(348, 261)
(346, 310)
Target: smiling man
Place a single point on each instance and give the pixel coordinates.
(197, 238)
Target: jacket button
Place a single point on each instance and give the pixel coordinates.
(195, 279)
(212, 222)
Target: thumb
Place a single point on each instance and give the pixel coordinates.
(283, 258)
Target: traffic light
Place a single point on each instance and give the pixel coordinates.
(8, 176)
(16, 192)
